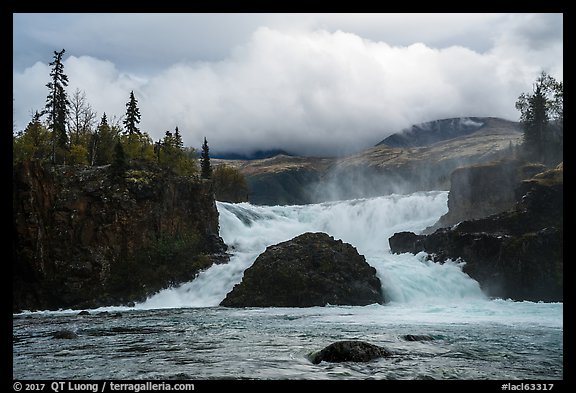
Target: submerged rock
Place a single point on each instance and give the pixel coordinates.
(65, 334)
(349, 351)
(312, 269)
(418, 337)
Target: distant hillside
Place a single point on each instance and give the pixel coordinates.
(382, 169)
(257, 155)
(280, 180)
(428, 133)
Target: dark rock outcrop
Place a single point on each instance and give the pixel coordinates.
(83, 239)
(515, 254)
(478, 191)
(312, 269)
(349, 351)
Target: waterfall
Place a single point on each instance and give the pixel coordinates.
(365, 223)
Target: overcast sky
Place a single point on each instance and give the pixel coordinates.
(316, 84)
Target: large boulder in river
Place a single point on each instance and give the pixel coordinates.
(312, 269)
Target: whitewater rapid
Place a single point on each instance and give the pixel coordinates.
(367, 224)
(183, 333)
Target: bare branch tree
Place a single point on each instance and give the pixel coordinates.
(82, 118)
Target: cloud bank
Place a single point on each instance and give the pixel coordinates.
(311, 92)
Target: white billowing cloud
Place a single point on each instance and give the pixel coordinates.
(29, 92)
(310, 92)
(532, 41)
(153, 41)
(107, 90)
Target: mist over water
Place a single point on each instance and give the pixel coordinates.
(365, 223)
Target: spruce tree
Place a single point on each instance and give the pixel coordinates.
(205, 167)
(57, 107)
(33, 142)
(103, 143)
(541, 117)
(132, 116)
(158, 149)
(119, 163)
(168, 139)
(178, 143)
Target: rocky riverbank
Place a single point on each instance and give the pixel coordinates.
(516, 254)
(83, 238)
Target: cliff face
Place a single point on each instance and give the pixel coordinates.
(515, 254)
(83, 239)
(478, 191)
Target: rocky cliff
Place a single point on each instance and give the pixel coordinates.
(478, 191)
(84, 239)
(515, 254)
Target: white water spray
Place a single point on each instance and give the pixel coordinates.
(367, 224)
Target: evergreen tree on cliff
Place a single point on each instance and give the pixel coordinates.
(103, 142)
(178, 142)
(542, 117)
(132, 116)
(33, 142)
(57, 108)
(119, 164)
(205, 167)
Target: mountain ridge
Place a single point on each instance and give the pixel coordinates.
(376, 170)
(426, 133)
